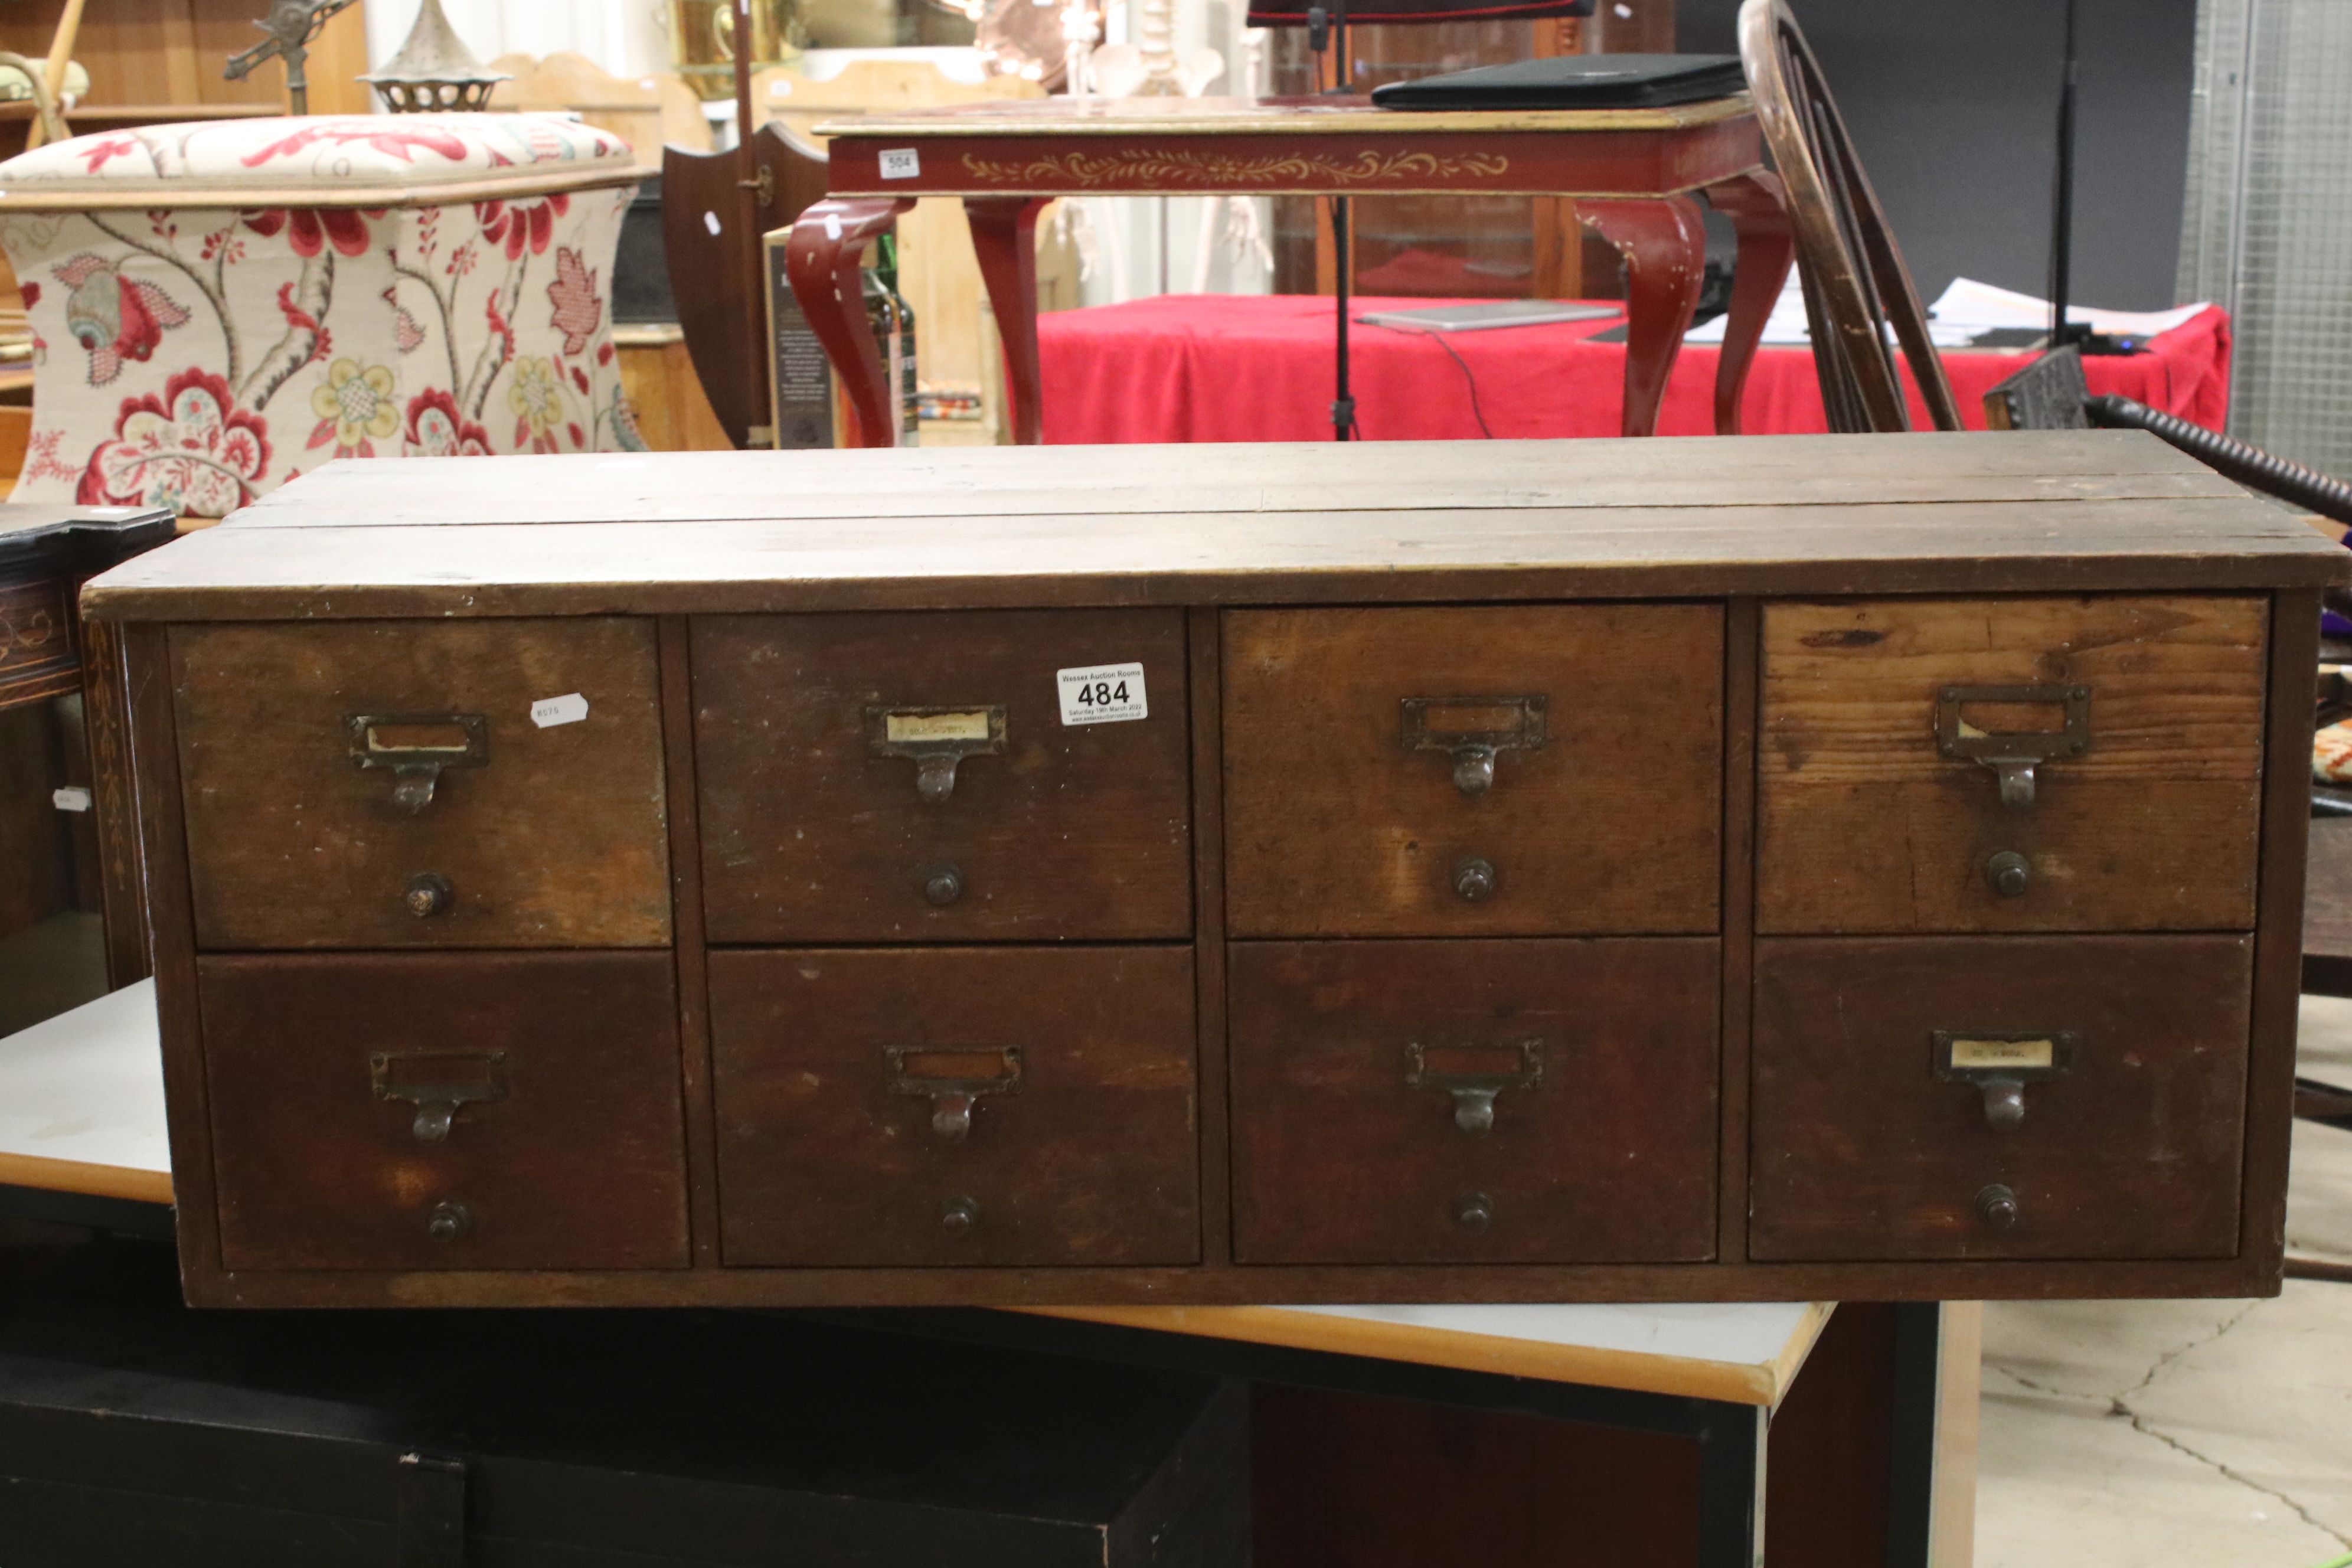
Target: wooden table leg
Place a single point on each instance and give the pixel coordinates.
(1759, 211)
(822, 259)
(1664, 242)
(1004, 236)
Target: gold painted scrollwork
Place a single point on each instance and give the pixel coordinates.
(1225, 171)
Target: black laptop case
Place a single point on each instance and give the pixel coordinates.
(1573, 81)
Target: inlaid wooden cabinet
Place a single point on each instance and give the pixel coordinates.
(1809, 867)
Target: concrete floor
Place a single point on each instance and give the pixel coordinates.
(2165, 1434)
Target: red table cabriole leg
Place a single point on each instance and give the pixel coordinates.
(1759, 211)
(1664, 242)
(1004, 237)
(822, 259)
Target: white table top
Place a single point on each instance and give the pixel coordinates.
(1744, 1352)
(81, 1110)
(81, 1101)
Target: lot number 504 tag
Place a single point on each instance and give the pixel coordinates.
(1102, 694)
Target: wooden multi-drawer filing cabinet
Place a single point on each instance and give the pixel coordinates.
(1814, 867)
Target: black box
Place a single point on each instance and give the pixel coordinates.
(135, 1431)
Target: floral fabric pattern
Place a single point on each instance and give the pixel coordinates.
(192, 449)
(355, 404)
(198, 357)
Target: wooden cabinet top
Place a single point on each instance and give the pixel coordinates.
(1403, 521)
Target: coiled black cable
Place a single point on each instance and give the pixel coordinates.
(2249, 465)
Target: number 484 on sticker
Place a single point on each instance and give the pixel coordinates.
(1101, 694)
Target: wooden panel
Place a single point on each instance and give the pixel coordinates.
(1209, 947)
(856, 556)
(1089, 1159)
(1394, 1483)
(1339, 1159)
(557, 841)
(2134, 1151)
(1336, 827)
(658, 380)
(1739, 682)
(138, 51)
(37, 656)
(2287, 826)
(337, 58)
(16, 430)
(578, 1166)
(35, 879)
(1071, 831)
(649, 113)
(692, 956)
(1866, 826)
(1255, 478)
(114, 818)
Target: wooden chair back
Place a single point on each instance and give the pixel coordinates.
(649, 113)
(1856, 287)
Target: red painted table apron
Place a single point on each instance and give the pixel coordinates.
(1634, 176)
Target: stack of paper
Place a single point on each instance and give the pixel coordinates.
(1964, 310)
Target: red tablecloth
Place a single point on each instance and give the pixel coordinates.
(1212, 367)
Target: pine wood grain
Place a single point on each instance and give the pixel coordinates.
(1182, 558)
(1781, 470)
(1865, 827)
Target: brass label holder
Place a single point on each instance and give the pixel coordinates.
(2013, 756)
(952, 1096)
(417, 766)
(2002, 1062)
(437, 1083)
(1475, 748)
(1473, 1092)
(937, 739)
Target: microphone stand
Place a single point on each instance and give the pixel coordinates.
(2061, 216)
(2064, 333)
(1343, 402)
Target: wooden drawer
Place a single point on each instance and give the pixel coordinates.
(822, 822)
(538, 835)
(1874, 817)
(1474, 1101)
(1356, 801)
(426, 1110)
(956, 1106)
(1888, 1074)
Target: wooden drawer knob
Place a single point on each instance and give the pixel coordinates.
(943, 883)
(449, 1221)
(2009, 874)
(1474, 1212)
(428, 894)
(959, 1214)
(1474, 880)
(1997, 1208)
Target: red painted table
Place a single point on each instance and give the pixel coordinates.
(1194, 367)
(1634, 175)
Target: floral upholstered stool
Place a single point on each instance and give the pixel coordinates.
(218, 307)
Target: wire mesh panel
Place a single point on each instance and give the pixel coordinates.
(2267, 229)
